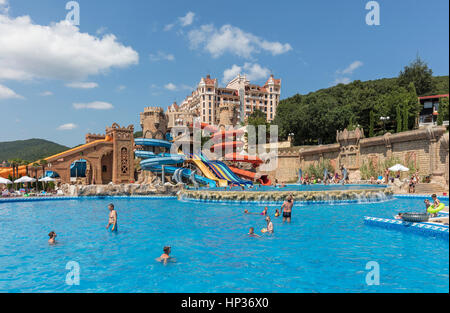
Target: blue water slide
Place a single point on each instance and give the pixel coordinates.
(153, 162)
(186, 173)
(152, 143)
(78, 168)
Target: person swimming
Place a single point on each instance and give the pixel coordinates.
(112, 218)
(277, 213)
(264, 212)
(269, 225)
(165, 257)
(247, 212)
(52, 239)
(251, 232)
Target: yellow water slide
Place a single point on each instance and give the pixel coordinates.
(6, 172)
(208, 174)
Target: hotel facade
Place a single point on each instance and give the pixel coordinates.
(228, 105)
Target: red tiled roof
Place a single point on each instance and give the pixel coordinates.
(433, 97)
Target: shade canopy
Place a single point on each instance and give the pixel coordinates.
(5, 181)
(47, 179)
(398, 167)
(25, 179)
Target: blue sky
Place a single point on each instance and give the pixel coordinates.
(58, 81)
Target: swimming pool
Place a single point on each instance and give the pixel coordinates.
(324, 249)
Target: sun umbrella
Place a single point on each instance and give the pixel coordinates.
(398, 167)
(25, 179)
(47, 179)
(5, 181)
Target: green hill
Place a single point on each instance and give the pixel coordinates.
(315, 117)
(29, 150)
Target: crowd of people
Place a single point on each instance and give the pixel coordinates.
(286, 212)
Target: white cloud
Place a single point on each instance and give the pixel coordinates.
(96, 105)
(46, 94)
(121, 87)
(187, 20)
(82, 85)
(6, 93)
(160, 55)
(351, 68)
(68, 126)
(168, 27)
(173, 87)
(183, 21)
(4, 6)
(101, 30)
(341, 80)
(170, 86)
(232, 40)
(253, 72)
(57, 51)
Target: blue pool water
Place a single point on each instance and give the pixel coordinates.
(298, 187)
(324, 249)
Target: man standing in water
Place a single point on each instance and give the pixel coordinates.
(286, 208)
(112, 218)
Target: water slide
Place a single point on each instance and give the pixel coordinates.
(224, 172)
(207, 172)
(5, 173)
(154, 162)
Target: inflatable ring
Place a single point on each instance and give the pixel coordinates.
(264, 230)
(433, 210)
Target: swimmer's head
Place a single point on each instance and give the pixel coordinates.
(52, 234)
(252, 230)
(426, 201)
(268, 218)
(111, 206)
(166, 249)
(245, 211)
(433, 196)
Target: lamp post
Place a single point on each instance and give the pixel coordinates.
(384, 119)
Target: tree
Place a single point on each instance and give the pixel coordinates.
(420, 74)
(256, 119)
(443, 111)
(43, 163)
(398, 118)
(371, 123)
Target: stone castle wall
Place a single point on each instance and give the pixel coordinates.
(427, 149)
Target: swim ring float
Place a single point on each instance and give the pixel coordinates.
(433, 210)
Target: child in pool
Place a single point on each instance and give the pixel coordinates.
(264, 212)
(277, 213)
(52, 239)
(165, 257)
(251, 233)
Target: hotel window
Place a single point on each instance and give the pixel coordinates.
(271, 115)
(209, 111)
(271, 96)
(270, 89)
(209, 97)
(210, 104)
(209, 89)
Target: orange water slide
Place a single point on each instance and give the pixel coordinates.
(264, 180)
(236, 157)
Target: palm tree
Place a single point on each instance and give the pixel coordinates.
(35, 167)
(43, 163)
(26, 163)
